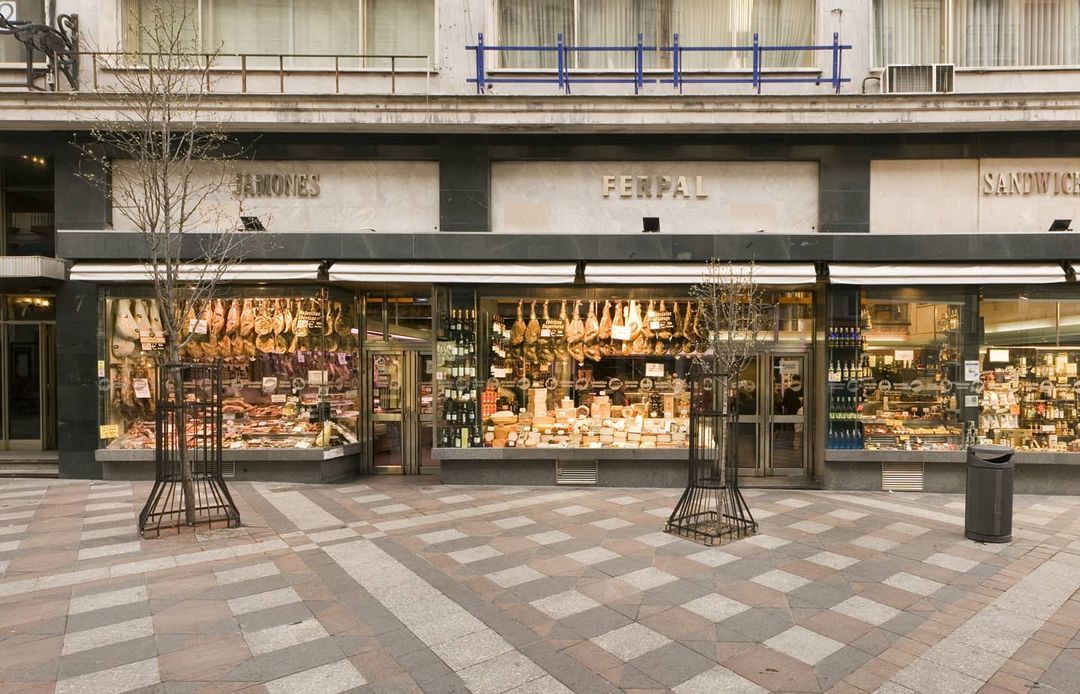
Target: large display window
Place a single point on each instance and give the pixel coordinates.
(894, 367)
(288, 355)
(1029, 369)
(588, 368)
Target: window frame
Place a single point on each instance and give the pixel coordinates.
(493, 37)
(362, 24)
(949, 49)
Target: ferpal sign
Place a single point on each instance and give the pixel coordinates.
(651, 186)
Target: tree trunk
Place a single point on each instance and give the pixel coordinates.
(187, 485)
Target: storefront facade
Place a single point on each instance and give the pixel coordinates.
(499, 316)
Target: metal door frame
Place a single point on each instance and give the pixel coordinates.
(769, 418)
(410, 417)
(764, 418)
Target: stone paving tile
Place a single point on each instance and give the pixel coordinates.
(838, 592)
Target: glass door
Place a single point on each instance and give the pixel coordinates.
(747, 427)
(786, 440)
(401, 411)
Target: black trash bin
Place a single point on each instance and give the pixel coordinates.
(988, 509)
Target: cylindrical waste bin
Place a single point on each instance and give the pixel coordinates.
(988, 508)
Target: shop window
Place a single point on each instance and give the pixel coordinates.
(11, 51)
(26, 187)
(320, 30)
(894, 367)
(288, 358)
(1029, 376)
(984, 33)
(614, 23)
(590, 369)
(399, 316)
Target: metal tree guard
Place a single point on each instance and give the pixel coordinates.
(712, 509)
(189, 433)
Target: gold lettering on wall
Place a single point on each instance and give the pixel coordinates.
(660, 186)
(248, 185)
(1030, 183)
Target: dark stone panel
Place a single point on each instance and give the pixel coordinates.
(1044, 247)
(464, 187)
(529, 472)
(844, 195)
(77, 383)
(653, 473)
(79, 204)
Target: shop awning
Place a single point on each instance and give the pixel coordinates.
(691, 273)
(239, 272)
(464, 273)
(945, 273)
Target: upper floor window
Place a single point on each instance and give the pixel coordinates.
(11, 51)
(611, 23)
(294, 28)
(977, 33)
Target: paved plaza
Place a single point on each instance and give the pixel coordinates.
(401, 584)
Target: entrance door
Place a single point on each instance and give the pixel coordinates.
(27, 379)
(772, 398)
(401, 418)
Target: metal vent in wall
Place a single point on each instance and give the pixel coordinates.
(902, 477)
(575, 472)
(228, 468)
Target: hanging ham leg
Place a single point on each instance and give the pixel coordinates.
(675, 342)
(603, 337)
(562, 347)
(575, 334)
(592, 331)
(617, 345)
(517, 331)
(688, 329)
(532, 334)
(546, 346)
(638, 342)
(247, 319)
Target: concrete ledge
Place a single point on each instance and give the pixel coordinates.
(540, 471)
(945, 457)
(512, 454)
(309, 466)
(950, 478)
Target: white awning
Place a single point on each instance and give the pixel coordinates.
(464, 273)
(239, 272)
(692, 273)
(945, 273)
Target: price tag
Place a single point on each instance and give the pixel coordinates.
(654, 325)
(101, 368)
(236, 444)
(654, 370)
(277, 398)
(200, 327)
(300, 358)
(316, 377)
(142, 388)
(498, 372)
(108, 431)
(545, 332)
(303, 444)
(269, 384)
(341, 358)
(971, 370)
(620, 332)
(971, 401)
(301, 322)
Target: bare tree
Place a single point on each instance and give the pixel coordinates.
(732, 311)
(168, 167)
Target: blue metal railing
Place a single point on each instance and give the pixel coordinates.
(676, 76)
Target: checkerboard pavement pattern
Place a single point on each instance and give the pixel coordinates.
(401, 584)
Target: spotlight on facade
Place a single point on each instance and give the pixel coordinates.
(650, 225)
(1061, 225)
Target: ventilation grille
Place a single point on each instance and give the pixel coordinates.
(228, 468)
(919, 79)
(902, 477)
(575, 472)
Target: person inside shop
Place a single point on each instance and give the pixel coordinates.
(790, 398)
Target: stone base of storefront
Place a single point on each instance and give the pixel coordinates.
(626, 467)
(946, 472)
(283, 465)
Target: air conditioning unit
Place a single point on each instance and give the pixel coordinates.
(919, 79)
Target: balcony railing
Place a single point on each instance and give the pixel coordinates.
(677, 75)
(268, 73)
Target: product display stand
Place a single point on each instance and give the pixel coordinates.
(712, 510)
(189, 488)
